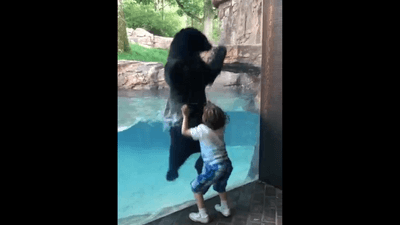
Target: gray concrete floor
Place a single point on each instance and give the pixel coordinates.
(252, 204)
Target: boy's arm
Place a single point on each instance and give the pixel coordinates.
(185, 127)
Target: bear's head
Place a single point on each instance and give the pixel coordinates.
(189, 42)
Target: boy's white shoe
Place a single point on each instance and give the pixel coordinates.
(226, 212)
(196, 217)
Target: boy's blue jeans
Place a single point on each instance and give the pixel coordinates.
(216, 174)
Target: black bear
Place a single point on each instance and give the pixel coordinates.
(187, 76)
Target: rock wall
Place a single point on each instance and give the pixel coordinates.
(146, 39)
(249, 54)
(241, 21)
(242, 34)
(136, 75)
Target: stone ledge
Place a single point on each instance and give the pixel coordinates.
(247, 53)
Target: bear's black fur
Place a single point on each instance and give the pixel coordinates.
(187, 76)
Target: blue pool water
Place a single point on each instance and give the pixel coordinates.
(143, 151)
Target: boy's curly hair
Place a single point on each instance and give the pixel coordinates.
(214, 117)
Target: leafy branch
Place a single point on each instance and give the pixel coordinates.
(187, 12)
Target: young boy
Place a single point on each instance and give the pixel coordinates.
(217, 166)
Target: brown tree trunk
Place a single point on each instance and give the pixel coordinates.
(123, 42)
(162, 9)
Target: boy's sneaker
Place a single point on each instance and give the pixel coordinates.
(196, 217)
(226, 212)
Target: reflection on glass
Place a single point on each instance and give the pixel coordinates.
(144, 194)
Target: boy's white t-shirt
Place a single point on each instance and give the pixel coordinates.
(212, 143)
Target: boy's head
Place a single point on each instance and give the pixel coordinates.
(214, 117)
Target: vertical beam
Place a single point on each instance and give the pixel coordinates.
(270, 164)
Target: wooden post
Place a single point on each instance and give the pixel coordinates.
(270, 164)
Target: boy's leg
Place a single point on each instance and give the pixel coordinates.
(220, 186)
(223, 208)
(222, 196)
(221, 183)
(199, 186)
(200, 200)
(201, 216)
(224, 200)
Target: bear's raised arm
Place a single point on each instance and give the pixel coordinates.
(216, 64)
(185, 68)
(192, 72)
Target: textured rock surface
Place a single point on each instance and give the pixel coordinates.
(241, 21)
(146, 39)
(138, 75)
(250, 54)
(241, 31)
(242, 34)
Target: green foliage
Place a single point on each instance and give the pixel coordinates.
(144, 16)
(143, 54)
(191, 7)
(145, 2)
(216, 35)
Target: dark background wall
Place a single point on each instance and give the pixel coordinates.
(270, 168)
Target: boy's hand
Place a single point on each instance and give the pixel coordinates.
(185, 110)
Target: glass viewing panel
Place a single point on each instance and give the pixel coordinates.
(144, 194)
